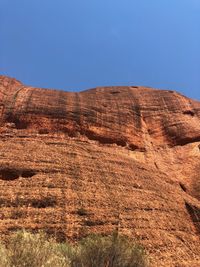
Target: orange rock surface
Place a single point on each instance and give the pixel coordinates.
(125, 158)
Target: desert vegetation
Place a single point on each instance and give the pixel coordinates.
(25, 249)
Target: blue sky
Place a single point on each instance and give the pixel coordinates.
(79, 44)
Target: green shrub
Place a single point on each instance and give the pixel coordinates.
(71, 253)
(24, 249)
(110, 251)
(34, 250)
(114, 251)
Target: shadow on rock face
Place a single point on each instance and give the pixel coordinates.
(194, 213)
(13, 174)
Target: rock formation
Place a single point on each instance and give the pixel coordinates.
(105, 159)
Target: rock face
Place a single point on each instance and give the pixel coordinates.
(105, 159)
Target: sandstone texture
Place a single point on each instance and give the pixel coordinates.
(105, 159)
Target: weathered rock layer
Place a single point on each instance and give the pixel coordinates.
(124, 158)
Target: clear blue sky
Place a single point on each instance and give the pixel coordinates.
(80, 44)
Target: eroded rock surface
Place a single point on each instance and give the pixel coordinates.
(124, 158)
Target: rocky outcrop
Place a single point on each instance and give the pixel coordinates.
(124, 158)
(126, 116)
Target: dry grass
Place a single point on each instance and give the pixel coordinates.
(31, 250)
(25, 249)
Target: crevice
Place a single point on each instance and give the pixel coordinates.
(102, 139)
(43, 131)
(194, 213)
(156, 165)
(28, 173)
(19, 123)
(187, 140)
(49, 201)
(93, 223)
(9, 174)
(189, 112)
(39, 203)
(114, 92)
(183, 187)
(136, 148)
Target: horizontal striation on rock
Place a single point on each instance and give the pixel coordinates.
(105, 159)
(126, 116)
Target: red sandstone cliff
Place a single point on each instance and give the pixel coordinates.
(109, 158)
